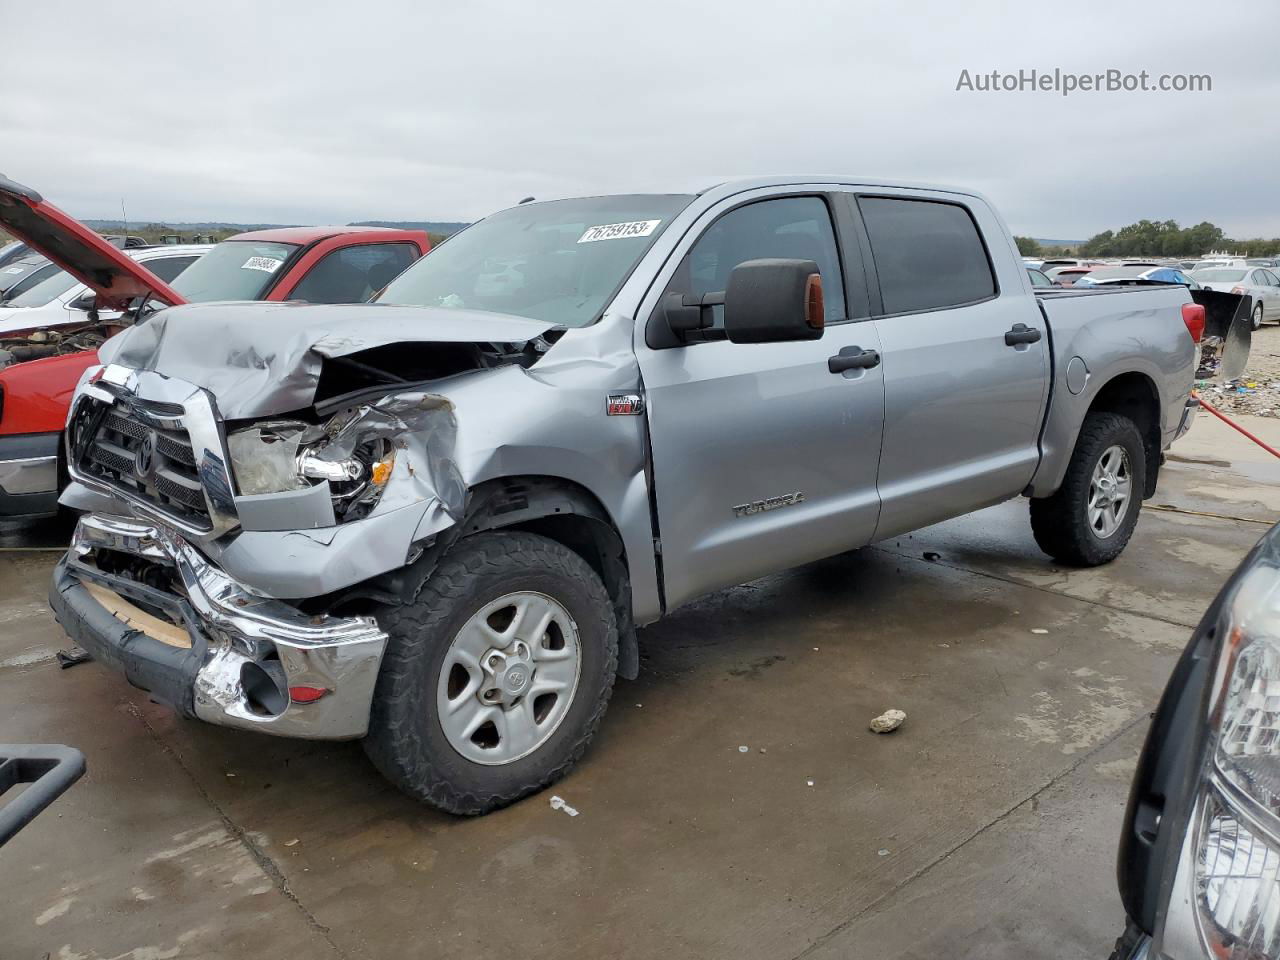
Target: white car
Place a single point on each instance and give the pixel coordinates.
(1257, 282)
(61, 299)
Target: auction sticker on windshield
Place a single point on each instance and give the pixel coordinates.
(266, 264)
(617, 231)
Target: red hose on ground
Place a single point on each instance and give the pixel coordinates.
(1235, 426)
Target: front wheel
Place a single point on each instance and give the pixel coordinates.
(496, 676)
(1091, 517)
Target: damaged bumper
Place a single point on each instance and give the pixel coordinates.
(145, 602)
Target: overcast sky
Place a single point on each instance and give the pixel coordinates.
(314, 112)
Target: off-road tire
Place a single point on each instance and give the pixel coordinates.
(1060, 522)
(406, 742)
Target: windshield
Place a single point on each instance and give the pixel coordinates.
(46, 291)
(1219, 276)
(560, 262)
(233, 270)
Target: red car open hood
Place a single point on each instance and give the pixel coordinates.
(115, 276)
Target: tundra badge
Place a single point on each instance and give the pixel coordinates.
(772, 503)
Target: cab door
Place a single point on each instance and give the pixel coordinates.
(965, 359)
(764, 455)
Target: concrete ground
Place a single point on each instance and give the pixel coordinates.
(985, 827)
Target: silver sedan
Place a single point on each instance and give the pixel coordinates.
(1257, 282)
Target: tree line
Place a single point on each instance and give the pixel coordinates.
(1156, 238)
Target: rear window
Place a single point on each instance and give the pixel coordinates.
(46, 291)
(1219, 276)
(928, 255)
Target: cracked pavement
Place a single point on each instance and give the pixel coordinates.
(986, 826)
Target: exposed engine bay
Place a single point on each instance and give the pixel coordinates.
(55, 341)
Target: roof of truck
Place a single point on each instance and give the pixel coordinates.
(306, 235)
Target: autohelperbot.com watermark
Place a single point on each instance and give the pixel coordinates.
(1065, 83)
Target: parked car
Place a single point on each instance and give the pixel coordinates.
(11, 251)
(434, 521)
(316, 264)
(1199, 865)
(24, 272)
(1130, 274)
(1068, 275)
(1257, 282)
(62, 302)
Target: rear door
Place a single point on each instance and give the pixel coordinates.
(1270, 294)
(965, 358)
(762, 457)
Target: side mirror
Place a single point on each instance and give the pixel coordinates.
(771, 301)
(83, 302)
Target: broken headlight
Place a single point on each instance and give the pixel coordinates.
(351, 453)
(1237, 865)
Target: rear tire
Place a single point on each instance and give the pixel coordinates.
(1257, 317)
(1076, 525)
(430, 675)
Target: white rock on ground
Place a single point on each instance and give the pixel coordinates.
(888, 721)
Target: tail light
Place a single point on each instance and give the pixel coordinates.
(1193, 317)
(1238, 290)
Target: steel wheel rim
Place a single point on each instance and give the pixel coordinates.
(509, 678)
(1110, 491)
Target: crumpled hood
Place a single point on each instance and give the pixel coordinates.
(262, 359)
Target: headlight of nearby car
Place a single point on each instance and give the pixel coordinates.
(350, 452)
(1237, 865)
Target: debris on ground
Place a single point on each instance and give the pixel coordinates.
(1039, 631)
(557, 803)
(1257, 391)
(888, 721)
(744, 749)
(809, 782)
(882, 852)
(70, 658)
(290, 843)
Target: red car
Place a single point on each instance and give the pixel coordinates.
(315, 264)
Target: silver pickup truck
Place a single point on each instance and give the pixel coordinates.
(435, 521)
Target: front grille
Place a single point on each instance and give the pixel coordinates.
(109, 440)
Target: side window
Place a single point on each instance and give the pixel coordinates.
(1271, 278)
(354, 274)
(792, 228)
(928, 254)
(166, 268)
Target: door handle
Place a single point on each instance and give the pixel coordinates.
(853, 358)
(1021, 333)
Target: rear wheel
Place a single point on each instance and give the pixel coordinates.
(496, 676)
(1091, 518)
(1257, 317)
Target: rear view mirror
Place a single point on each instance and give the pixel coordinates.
(771, 301)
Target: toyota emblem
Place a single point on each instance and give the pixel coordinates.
(144, 458)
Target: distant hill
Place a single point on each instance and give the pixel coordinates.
(443, 228)
(1058, 243)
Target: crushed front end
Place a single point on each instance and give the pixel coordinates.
(142, 600)
(198, 569)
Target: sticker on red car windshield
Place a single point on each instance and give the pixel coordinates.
(266, 264)
(619, 231)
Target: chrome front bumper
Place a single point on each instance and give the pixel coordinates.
(218, 652)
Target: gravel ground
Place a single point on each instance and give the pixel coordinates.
(1258, 391)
